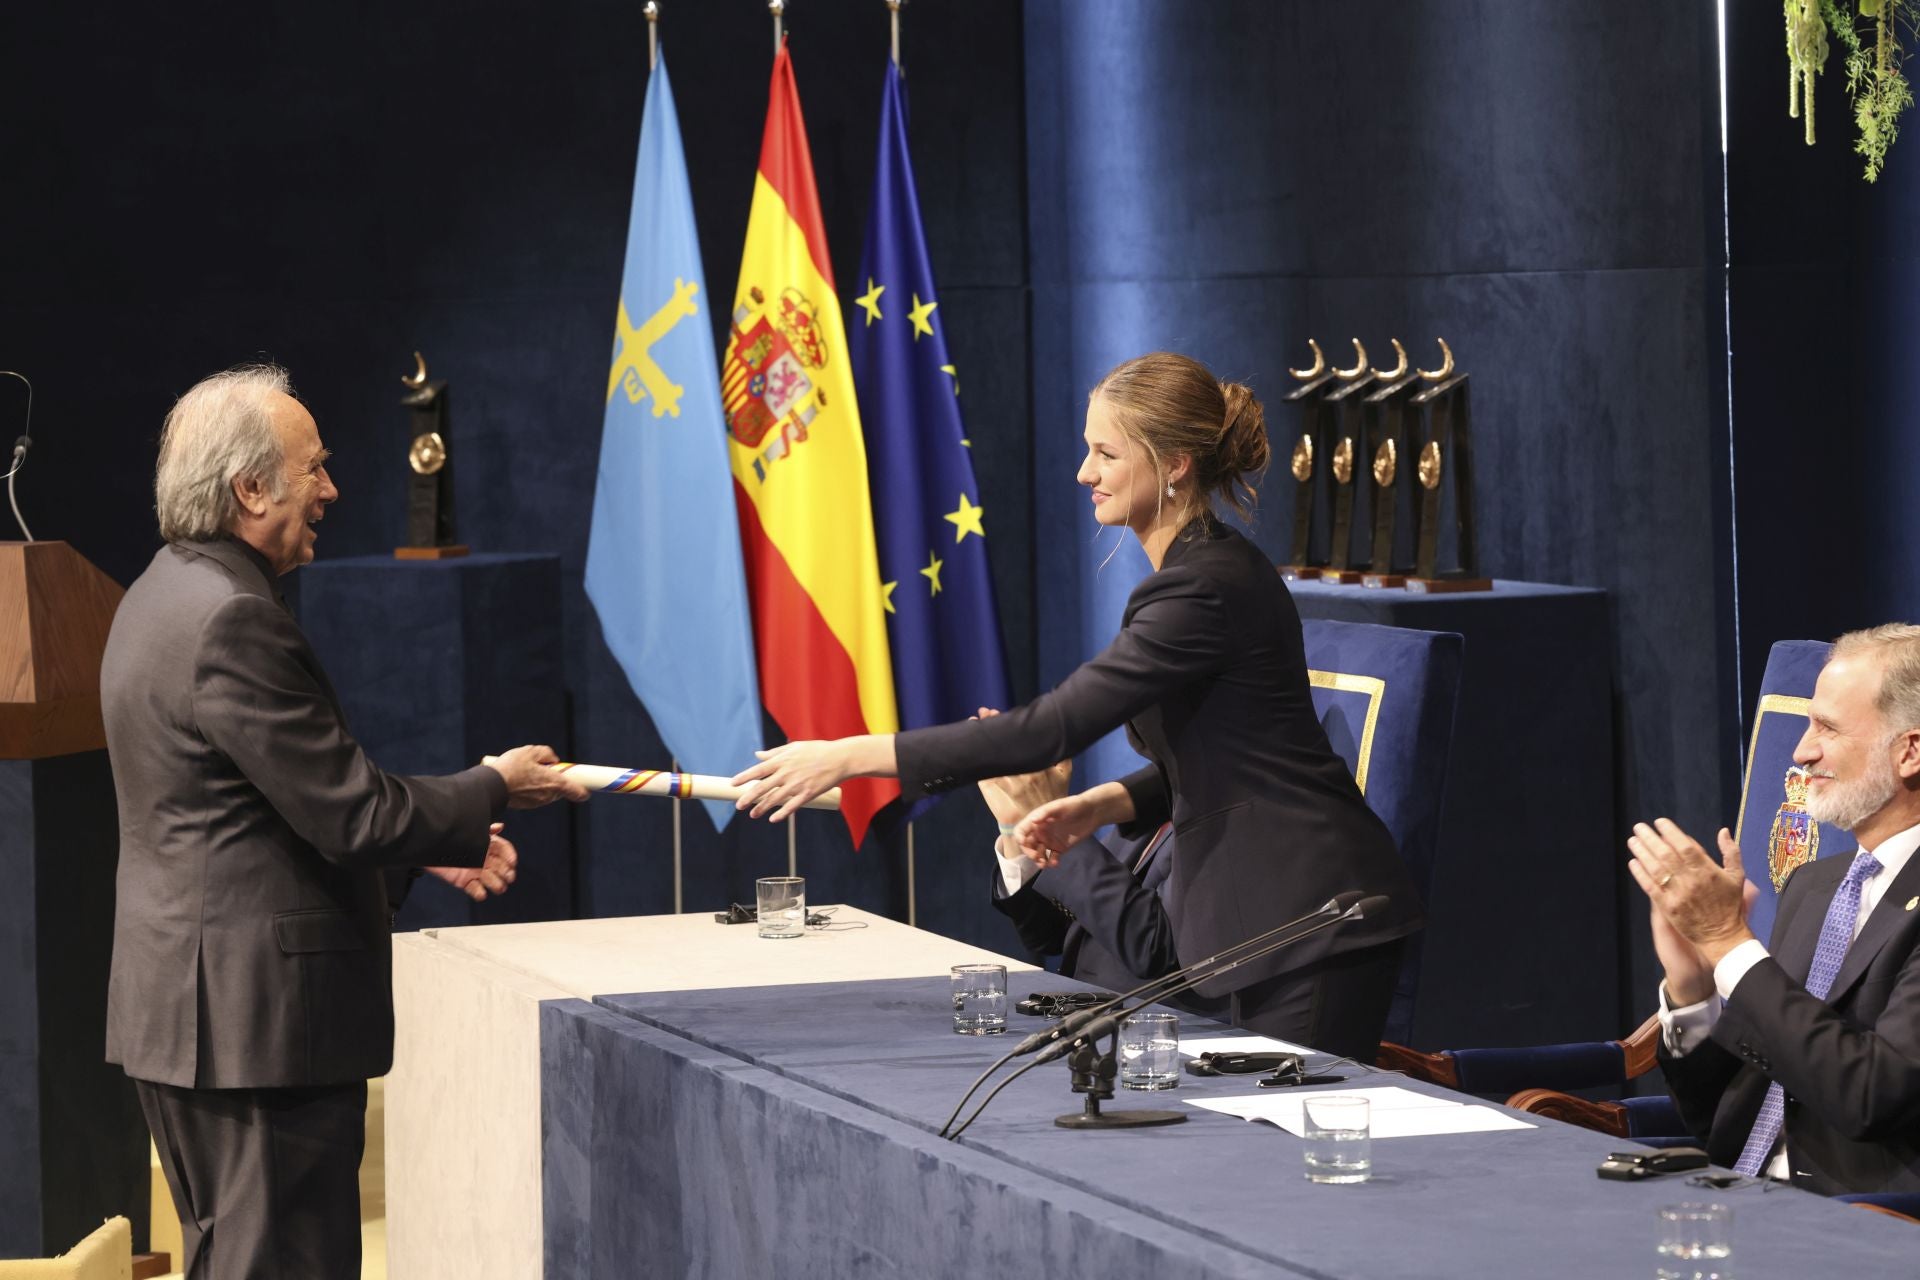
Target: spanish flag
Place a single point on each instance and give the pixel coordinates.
(800, 467)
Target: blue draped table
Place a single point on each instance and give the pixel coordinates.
(790, 1131)
(1522, 942)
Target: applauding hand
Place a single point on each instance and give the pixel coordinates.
(1014, 796)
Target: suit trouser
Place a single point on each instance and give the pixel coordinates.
(266, 1181)
(1338, 1005)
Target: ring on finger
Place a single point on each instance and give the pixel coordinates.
(1665, 878)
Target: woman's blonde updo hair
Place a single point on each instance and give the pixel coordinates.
(1171, 405)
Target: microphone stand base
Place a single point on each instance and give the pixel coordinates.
(1119, 1119)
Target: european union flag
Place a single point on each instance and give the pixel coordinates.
(928, 515)
(664, 569)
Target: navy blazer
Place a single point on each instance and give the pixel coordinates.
(1850, 1064)
(1209, 674)
(1100, 911)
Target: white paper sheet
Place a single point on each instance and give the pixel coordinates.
(1238, 1044)
(1393, 1112)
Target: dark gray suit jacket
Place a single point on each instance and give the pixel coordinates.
(1209, 674)
(1850, 1064)
(251, 930)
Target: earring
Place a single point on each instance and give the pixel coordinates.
(1169, 488)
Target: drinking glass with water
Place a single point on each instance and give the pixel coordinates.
(1696, 1242)
(1339, 1139)
(1150, 1051)
(979, 999)
(783, 906)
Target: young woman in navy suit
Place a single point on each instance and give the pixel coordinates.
(1209, 675)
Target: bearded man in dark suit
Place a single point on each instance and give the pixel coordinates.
(1800, 1059)
(262, 854)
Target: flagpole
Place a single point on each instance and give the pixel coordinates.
(913, 901)
(793, 846)
(776, 8)
(893, 14)
(653, 60)
(677, 803)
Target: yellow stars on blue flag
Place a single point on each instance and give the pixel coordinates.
(921, 313)
(932, 572)
(886, 595)
(953, 371)
(966, 520)
(870, 301)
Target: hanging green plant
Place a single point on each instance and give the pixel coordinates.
(1806, 56)
(1879, 89)
(1880, 92)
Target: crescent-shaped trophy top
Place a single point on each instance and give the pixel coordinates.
(418, 378)
(1445, 370)
(1398, 371)
(1319, 364)
(1359, 365)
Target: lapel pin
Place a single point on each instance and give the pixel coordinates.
(1912, 903)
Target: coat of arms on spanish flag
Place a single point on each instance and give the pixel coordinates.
(800, 467)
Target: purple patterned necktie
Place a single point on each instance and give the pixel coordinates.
(1836, 935)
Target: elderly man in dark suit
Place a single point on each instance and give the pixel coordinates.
(1801, 1060)
(261, 852)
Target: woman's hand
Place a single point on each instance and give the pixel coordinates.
(789, 776)
(1014, 796)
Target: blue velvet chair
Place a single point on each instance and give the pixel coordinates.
(1537, 1078)
(1386, 697)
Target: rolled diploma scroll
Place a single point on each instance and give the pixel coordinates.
(615, 780)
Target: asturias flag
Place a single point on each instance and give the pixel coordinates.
(927, 512)
(800, 467)
(663, 560)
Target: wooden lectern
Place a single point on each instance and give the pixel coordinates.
(55, 609)
(73, 1139)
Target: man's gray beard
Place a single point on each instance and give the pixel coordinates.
(1848, 805)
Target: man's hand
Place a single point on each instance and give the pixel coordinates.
(492, 877)
(1016, 795)
(530, 783)
(1703, 901)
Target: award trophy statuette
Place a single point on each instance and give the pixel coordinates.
(1445, 461)
(1386, 441)
(1309, 449)
(1345, 462)
(430, 464)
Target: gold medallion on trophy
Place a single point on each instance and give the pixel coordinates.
(1343, 460)
(1386, 461)
(1303, 459)
(1430, 465)
(428, 453)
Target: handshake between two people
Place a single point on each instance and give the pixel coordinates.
(531, 783)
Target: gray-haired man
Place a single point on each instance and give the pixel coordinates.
(261, 852)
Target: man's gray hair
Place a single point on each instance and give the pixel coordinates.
(1898, 644)
(221, 429)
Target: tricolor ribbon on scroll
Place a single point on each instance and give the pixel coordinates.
(614, 780)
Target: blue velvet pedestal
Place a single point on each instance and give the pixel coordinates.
(441, 662)
(1522, 942)
(73, 1146)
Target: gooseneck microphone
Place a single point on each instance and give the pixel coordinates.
(1068, 1028)
(1090, 1024)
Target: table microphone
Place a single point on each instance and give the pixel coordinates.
(1070, 1029)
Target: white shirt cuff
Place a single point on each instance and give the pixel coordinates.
(1733, 966)
(1014, 871)
(1686, 1028)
